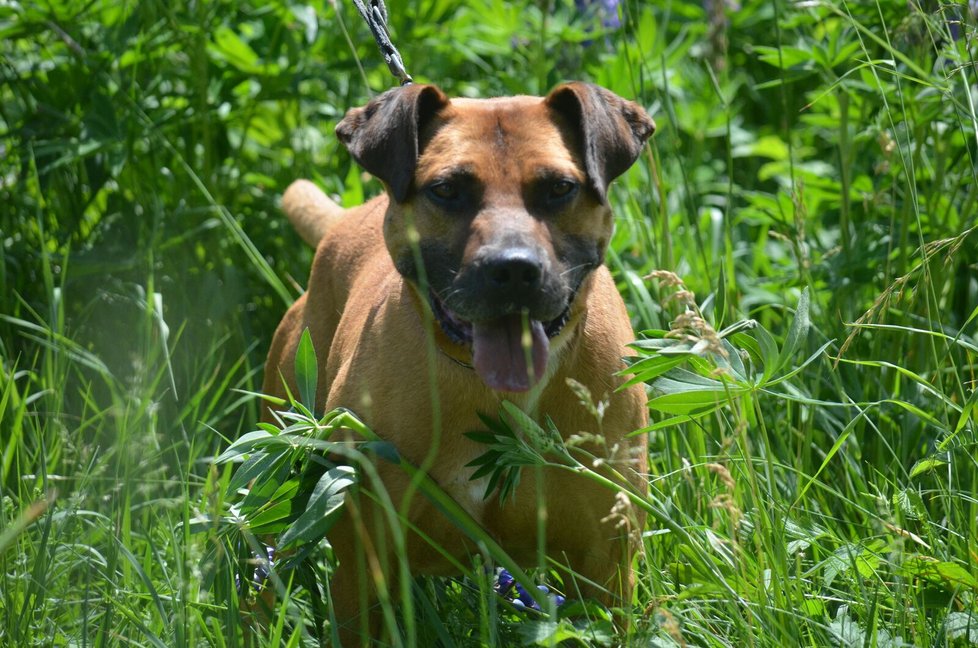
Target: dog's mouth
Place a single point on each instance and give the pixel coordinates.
(509, 353)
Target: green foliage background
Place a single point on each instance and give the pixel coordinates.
(827, 146)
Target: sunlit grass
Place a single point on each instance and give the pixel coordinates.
(813, 183)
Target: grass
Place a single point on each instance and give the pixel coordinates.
(813, 184)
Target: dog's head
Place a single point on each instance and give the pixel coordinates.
(498, 208)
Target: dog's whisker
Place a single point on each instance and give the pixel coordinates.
(574, 268)
(443, 297)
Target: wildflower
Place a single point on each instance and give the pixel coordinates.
(723, 473)
(690, 326)
(665, 277)
(607, 10)
(522, 598)
(263, 567)
(504, 582)
(621, 512)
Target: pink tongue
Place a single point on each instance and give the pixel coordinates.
(499, 355)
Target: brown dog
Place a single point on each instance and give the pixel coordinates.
(492, 235)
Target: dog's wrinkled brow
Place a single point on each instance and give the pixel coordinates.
(553, 174)
(462, 172)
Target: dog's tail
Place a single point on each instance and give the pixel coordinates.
(310, 211)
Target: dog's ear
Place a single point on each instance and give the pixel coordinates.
(613, 130)
(383, 135)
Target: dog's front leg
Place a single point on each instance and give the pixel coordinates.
(366, 581)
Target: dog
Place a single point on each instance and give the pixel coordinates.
(477, 277)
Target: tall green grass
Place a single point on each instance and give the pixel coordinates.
(813, 184)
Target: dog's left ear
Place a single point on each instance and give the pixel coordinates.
(613, 130)
(383, 135)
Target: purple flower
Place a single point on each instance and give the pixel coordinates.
(526, 598)
(523, 598)
(607, 10)
(263, 568)
(504, 582)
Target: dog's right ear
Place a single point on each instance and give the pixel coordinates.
(383, 135)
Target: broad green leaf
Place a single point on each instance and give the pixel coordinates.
(680, 419)
(536, 633)
(648, 369)
(910, 502)
(797, 370)
(769, 352)
(227, 45)
(928, 464)
(650, 339)
(720, 310)
(734, 363)
(683, 392)
(306, 370)
(690, 403)
(244, 445)
(762, 346)
(845, 53)
(969, 414)
(771, 147)
(269, 520)
(798, 331)
(682, 380)
(266, 484)
(962, 625)
(784, 57)
(812, 607)
(863, 558)
(323, 508)
(255, 465)
(951, 575)
(537, 435)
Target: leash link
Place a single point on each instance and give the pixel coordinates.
(376, 18)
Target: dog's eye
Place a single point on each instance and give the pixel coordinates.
(562, 189)
(443, 191)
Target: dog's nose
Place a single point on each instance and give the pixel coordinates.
(514, 270)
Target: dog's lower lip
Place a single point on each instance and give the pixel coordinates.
(460, 330)
(456, 328)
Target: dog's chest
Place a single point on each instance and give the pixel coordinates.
(469, 493)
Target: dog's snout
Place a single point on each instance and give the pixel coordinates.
(514, 270)
(507, 279)
(512, 279)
